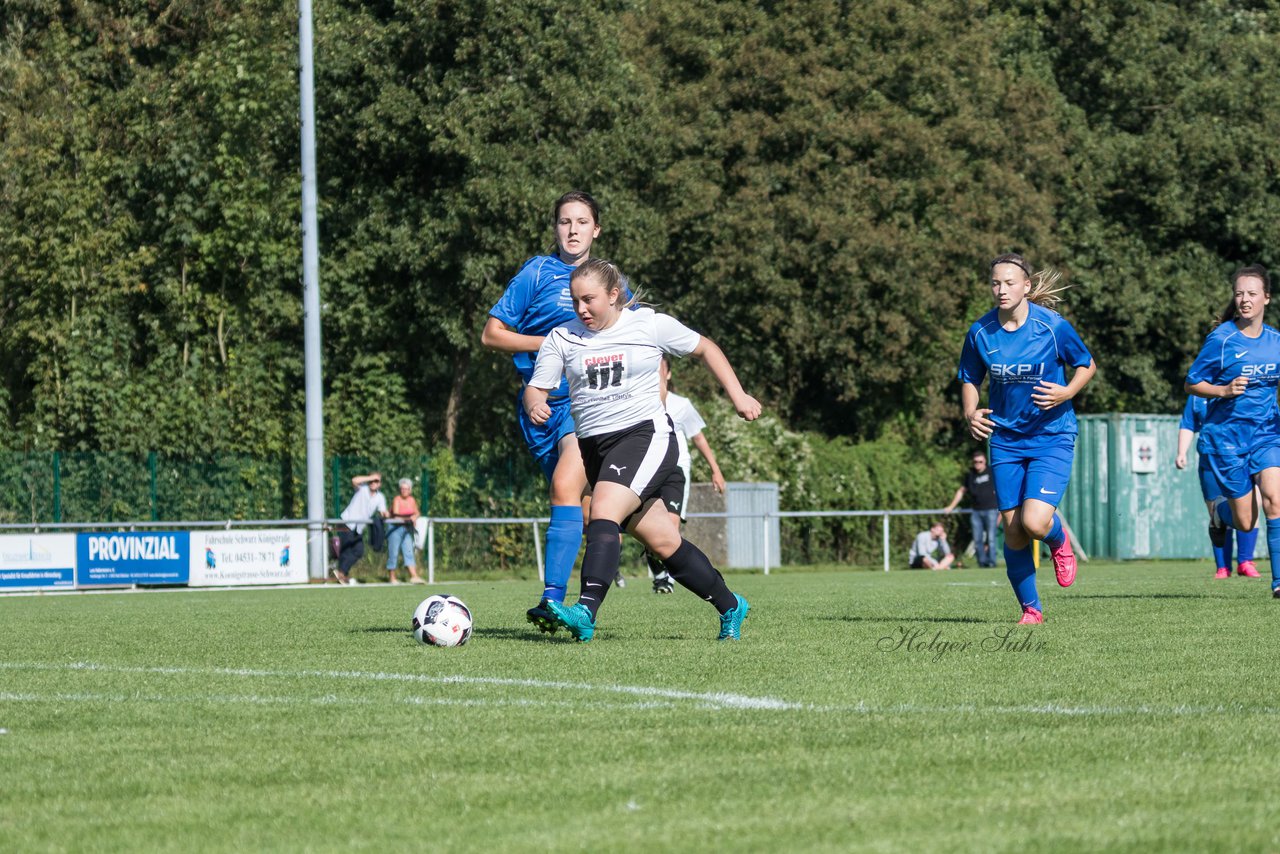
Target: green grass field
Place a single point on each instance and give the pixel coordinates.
(861, 711)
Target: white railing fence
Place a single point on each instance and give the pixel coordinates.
(427, 543)
(428, 548)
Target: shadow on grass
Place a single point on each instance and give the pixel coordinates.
(1148, 596)
(496, 633)
(525, 634)
(846, 618)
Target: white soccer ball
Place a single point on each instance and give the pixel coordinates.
(442, 620)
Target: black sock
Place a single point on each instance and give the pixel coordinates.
(656, 566)
(694, 571)
(600, 562)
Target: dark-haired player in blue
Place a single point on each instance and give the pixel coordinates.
(1238, 370)
(536, 301)
(1219, 536)
(1024, 348)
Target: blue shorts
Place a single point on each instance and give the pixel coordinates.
(1234, 473)
(1039, 469)
(543, 440)
(1210, 484)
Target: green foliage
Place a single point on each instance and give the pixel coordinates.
(815, 185)
(145, 234)
(130, 487)
(817, 473)
(831, 192)
(460, 117)
(448, 484)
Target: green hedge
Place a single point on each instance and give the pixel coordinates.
(817, 473)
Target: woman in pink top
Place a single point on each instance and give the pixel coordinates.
(404, 513)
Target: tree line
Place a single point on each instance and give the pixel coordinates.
(817, 185)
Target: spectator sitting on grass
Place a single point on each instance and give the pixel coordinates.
(929, 543)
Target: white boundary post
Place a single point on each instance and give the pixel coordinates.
(765, 517)
(537, 551)
(431, 551)
(885, 529)
(313, 374)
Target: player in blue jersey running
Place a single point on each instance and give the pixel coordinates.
(1238, 370)
(536, 301)
(1024, 348)
(1219, 536)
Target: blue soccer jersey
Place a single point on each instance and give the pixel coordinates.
(536, 301)
(1193, 413)
(1038, 351)
(1233, 425)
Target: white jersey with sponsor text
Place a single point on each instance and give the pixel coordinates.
(688, 424)
(613, 373)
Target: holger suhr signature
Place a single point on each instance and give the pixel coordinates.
(931, 643)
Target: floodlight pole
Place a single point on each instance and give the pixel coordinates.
(316, 552)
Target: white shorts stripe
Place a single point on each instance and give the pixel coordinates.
(684, 502)
(653, 457)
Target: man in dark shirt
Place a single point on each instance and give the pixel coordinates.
(984, 511)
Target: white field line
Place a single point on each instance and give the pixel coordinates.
(716, 700)
(288, 700)
(646, 697)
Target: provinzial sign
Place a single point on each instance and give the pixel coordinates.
(151, 557)
(232, 558)
(37, 561)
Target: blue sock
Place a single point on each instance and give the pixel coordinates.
(1223, 509)
(1246, 546)
(1273, 546)
(1056, 537)
(1021, 569)
(1222, 553)
(564, 536)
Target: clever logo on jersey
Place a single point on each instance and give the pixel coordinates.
(1019, 373)
(604, 371)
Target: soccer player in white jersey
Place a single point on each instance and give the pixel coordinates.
(689, 425)
(1238, 371)
(1024, 348)
(611, 358)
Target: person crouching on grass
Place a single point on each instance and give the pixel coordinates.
(1025, 348)
(612, 359)
(930, 550)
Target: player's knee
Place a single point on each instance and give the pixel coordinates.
(664, 544)
(561, 496)
(1036, 529)
(602, 531)
(566, 485)
(1015, 537)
